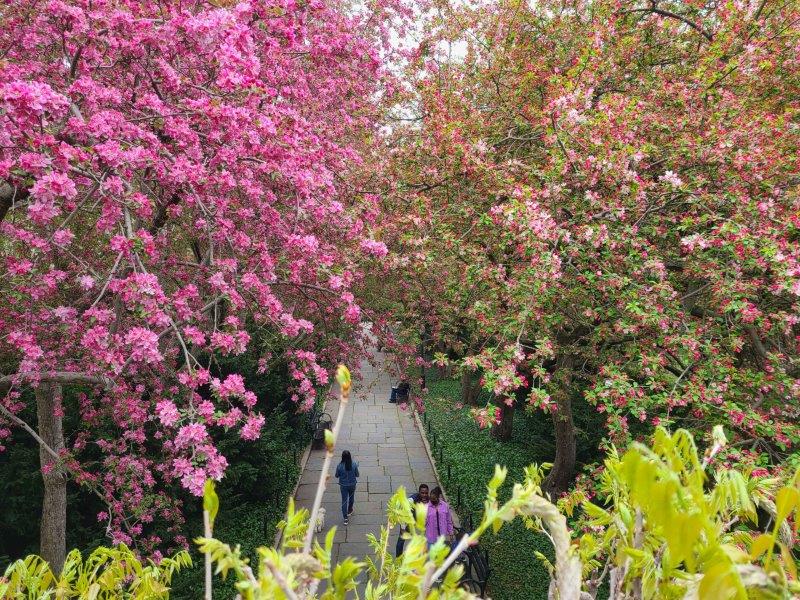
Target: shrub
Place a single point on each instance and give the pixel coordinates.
(471, 454)
(673, 528)
(107, 573)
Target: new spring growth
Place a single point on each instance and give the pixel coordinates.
(343, 377)
(210, 501)
(720, 441)
(329, 441)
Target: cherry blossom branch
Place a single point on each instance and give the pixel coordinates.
(129, 228)
(561, 144)
(108, 280)
(164, 332)
(671, 15)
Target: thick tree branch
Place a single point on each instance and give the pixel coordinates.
(8, 195)
(671, 15)
(160, 218)
(758, 345)
(63, 377)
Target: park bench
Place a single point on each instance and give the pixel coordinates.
(477, 571)
(319, 422)
(476, 562)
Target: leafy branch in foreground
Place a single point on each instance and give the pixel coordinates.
(671, 526)
(106, 573)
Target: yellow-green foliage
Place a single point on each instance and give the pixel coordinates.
(673, 527)
(106, 573)
(670, 527)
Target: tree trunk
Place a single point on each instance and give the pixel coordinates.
(502, 431)
(469, 389)
(53, 532)
(560, 477)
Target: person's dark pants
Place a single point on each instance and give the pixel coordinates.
(401, 544)
(393, 396)
(348, 498)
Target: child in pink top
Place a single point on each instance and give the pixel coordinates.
(439, 520)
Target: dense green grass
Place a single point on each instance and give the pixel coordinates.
(471, 454)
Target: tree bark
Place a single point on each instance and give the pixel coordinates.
(560, 476)
(466, 386)
(53, 532)
(469, 388)
(502, 431)
(8, 195)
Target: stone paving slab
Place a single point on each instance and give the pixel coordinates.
(384, 440)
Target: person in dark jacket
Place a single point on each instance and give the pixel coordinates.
(347, 474)
(420, 497)
(400, 392)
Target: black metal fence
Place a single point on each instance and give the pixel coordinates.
(445, 471)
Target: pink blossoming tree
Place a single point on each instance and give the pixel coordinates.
(171, 172)
(599, 201)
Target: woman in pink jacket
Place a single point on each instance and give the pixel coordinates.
(439, 521)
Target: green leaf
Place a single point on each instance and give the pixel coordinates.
(760, 545)
(786, 500)
(210, 501)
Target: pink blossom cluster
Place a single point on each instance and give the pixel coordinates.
(179, 177)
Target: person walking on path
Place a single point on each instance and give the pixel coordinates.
(439, 521)
(347, 474)
(421, 497)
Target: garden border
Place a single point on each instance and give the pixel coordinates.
(421, 428)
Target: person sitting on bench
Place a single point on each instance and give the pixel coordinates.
(400, 392)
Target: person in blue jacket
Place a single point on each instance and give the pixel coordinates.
(347, 474)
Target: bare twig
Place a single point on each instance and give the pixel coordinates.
(680, 377)
(465, 542)
(665, 13)
(108, 280)
(281, 580)
(208, 535)
(344, 398)
(15, 419)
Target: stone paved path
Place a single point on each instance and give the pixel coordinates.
(385, 442)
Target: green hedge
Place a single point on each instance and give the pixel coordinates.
(471, 454)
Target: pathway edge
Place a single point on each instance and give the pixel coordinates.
(303, 461)
(424, 436)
